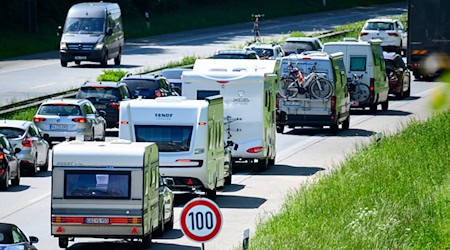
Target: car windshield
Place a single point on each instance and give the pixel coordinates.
(389, 63)
(298, 46)
(103, 93)
(168, 138)
(97, 184)
(173, 74)
(60, 109)
(263, 52)
(379, 26)
(11, 132)
(84, 25)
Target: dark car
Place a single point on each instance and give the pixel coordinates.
(105, 96)
(11, 237)
(147, 86)
(399, 75)
(173, 76)
(9, 164)
(235, 54)
(296, 45)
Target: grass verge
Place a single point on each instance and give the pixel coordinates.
(24, 114)
(391, 195)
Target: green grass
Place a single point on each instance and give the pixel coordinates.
(25, 114)
(390, 195)
(111, 75)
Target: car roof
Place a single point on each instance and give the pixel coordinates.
(383, 20)
(6, 226)
(72, 101)
(106, 84)
(262, 46)
(309, 55)
(175, 69)
(235, 51)
(149, 76)
(301, 39)
(15, 124)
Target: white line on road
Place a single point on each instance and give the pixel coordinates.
(39, 198)
(43, 85)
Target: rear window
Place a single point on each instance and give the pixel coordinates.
(298, 46)
(95, 185)
(98, 92)
(263, 52)
(202, 94)
(137, 84)
(358, 63)
(60, 109)
(12, 132)
(389, 63)
(168, 138)
(379, 26)
(172, 74)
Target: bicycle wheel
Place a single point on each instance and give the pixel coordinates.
(361, 93)
(289, 87)
(321, 88)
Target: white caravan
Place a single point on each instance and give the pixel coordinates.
(189, 135)
(248, 88)
(105, 190)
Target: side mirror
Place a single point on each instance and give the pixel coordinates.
(109, 32)
(102, 113)
(34, 239)
(17, 150)
(60, 30)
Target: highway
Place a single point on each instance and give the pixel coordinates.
(303, 155)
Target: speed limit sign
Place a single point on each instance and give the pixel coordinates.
(201, 220)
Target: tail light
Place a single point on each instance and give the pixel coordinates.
(158, 93)
(372, 88)
(191, 163)
(255, 150)
(39, 119)
(277, 104)
(333, 103)
(363, 34)
(2, 156)
(2, 171)
(27, 142)
(115, 105)
(415, 65)
(393, 34)
(79, 119)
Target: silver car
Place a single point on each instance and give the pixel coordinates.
(70, 119)
(34, 148)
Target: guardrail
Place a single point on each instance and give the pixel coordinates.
(35, 102)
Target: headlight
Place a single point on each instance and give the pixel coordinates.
(99, 46)
(62, 46)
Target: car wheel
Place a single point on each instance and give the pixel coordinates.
(263, 164)
(211, 194)
(169, 224)
(147, 240)
(44, 167)
(280, 129)
(4, 184)
(118, 59)
(408, 92)
(63, 242)
(160, 231)
(346, 123)
(16, 181)
(373, 108)
(334, 128)
(34, 170)
(385, 105)
(228, 179)
(77, 62)
(272, 162)
(104, 61)
(103, 134)
(63, 63)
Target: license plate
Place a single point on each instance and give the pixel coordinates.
(287, 103)
(100, 106)
(58, 126)
(96, 220)
(80, 57)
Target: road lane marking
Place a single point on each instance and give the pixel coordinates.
(43, 85)
(39, 198)
(30, 203)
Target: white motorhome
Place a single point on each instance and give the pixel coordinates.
(365, 58)
(248, 88)
(189, 135)
(105, 190)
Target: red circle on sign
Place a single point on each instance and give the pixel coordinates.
(201, 202)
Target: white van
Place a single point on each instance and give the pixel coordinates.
(189, 135)
(105, 190)
(248, 88)
(305, 110)
(365, 58)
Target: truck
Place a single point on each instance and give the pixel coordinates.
(189, 135)
(428, 33)
(248, 88)
(105, 190)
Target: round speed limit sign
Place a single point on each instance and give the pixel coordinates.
(201, 220)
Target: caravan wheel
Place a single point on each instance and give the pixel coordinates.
(63, 242)
(147, 240)
(211, 194)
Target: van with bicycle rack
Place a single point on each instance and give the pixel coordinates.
(313, 92)
(248, 88)
(189, 135)
(364, 61)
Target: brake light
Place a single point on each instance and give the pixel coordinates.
(255, 150)
(372, 88)
(2, 171)
(115, 105)
(393, 34)
(39, 119)
(333, 103)
(27, 142)
(158, 93)
(222, 82)
(306, 58)
(2, 156)
(60, 104)
(415, 65)
(79, 119)
(363, 34)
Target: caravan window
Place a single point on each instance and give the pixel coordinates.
(357, 63)
(96, 185)
(168, 138)
(202, 94)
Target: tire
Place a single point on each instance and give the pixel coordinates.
(147, 241)
(229, 178)
(408, 92)
(63, 242)
(4, 184)
(16, 181)
(211, 194)
(321, 89)
(399, 95)
(334, 128)
(280, 129)
(34, 170)
(374, 108)
(272, 162)
(63, 63)
(44, 168)
(169, 224)
(385, 105)
(104, 61)
(160, 231)
(361, 93)
(103, 134)
(346, 123)
(263, 164)
(77, 62)
(118, 59)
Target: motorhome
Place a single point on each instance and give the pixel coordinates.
(365, 58)
(303, 109)
(105, 190)
(189, 135)
(248, 88)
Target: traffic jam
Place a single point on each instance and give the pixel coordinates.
(187, 131)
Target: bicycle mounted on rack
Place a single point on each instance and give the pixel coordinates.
(359, 92)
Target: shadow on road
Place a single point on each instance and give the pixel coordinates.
(93, 65)
(239, 202)
(283, 170)
(411, 98)
(121, 245)
(326, 132)
(233, 188)
(171, 235)
(16, 189)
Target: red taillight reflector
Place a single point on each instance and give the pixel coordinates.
(332, 117)
(190, 182)
(392, 33)
(372, 88)
(2, 156)
(2, 171)
(60, 104)
(60, 230)
(158, 93)
(202, 123)
(222, 82)
(80, 120)
(27, 142)
(58, 219)
(184, 160)
(255, 150)
(115, 105)
(372, 81)
(306, 58)
(38, 119)
(124, 122)
(134, 230)
(363, 34)
(333, 103)
(416, 65)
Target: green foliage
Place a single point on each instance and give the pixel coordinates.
(297, 34)
(392, 195)
(111, 75)
(25, 114)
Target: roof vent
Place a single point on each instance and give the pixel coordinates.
(350, 39)
(120, 141)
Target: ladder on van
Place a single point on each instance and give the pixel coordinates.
(227, 122)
